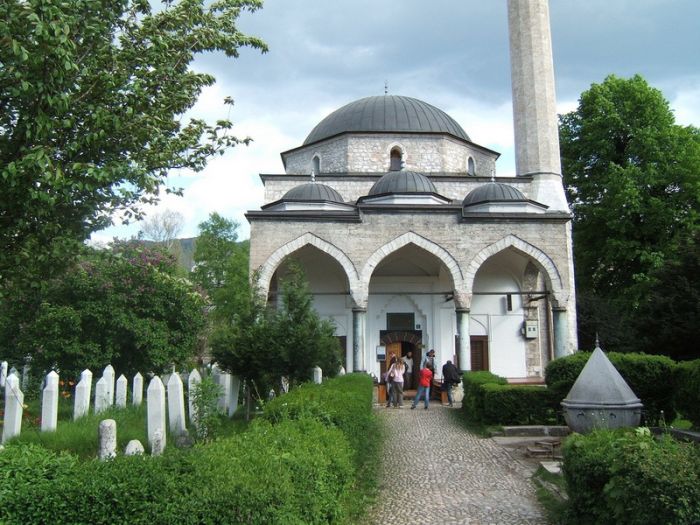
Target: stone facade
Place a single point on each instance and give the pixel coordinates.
(370, 153)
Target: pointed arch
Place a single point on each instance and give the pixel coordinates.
(267, 269)
(537, 256)
(413, 238)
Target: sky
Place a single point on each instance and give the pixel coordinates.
(452, 54)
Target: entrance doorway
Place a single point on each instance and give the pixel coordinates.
(401, 343)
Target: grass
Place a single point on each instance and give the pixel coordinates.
(550, 488)
(81, 437)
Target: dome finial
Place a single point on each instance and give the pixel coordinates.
(313, 176)
(597, 341)
(386, 87)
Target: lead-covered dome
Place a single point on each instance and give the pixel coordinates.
(402, 182)
(313, 191)
(386, 113)
(493, 192)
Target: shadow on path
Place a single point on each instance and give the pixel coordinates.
(435, 472)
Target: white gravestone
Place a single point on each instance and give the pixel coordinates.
(318, 375)
(122, 385)
(176, 405)
(137, 394)
(108, 439)
(157, 443)
(82, 396)
(155, 408)
(3, 374)
(25, 376)
(234, 389)
(341, 372)
(101, 396)
(108, 376)
(134, 448)
(225, 384)
(87, 376)
(14, 404)
(49, 403)
(192, 381)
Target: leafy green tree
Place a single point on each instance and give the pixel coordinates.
(633, 179)
(126, 307)
(91, 102)
(221, 266)
(261, 344)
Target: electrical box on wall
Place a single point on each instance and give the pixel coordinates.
(530, 329)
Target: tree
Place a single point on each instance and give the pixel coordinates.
(221, 266)
(163, 228)
(262, 344)
(123, 306)
(633, 179)
(91, 101)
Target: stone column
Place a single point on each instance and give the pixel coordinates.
(358, 339)
(561, 332)
(137, 394)
(534, 101)
(464, 350)
(107, 432)
(155, 413)
(120, 396)
(108, 376)
(176, 405)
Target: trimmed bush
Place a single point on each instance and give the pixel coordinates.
(473, 402)
(649, 376)
(344, 402)
(687, 390)
(517, 405)
(627, 477)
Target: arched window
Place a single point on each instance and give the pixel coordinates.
(316, 165)
(396, 158)
(471, 167)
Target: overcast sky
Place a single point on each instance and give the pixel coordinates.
(452, 54)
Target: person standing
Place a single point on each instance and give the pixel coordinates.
(450, 378)
(425, 377)
(388, 381)
(396, 376)
(408, 374)
(429, 360)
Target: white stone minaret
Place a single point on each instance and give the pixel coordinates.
(534, 101)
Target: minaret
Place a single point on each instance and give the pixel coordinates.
(534, 101)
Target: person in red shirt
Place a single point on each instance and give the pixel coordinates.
(425, 377)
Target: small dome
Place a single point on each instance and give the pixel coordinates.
(386, 114)
(403, 182)
(313, 191)
(493, 192)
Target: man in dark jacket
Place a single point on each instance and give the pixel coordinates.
(450, 378)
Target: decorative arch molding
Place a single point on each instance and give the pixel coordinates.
(273, 261)
(413, 238)
(537, 256)
(398, 337)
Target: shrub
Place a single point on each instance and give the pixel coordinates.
(292, 472)
(517, 405)
(473, 402)
(687, 390)
(649, 377)
(627, 477)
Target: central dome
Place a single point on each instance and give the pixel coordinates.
(386, 113)
(402, 182)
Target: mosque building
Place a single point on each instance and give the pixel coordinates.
(409, 239)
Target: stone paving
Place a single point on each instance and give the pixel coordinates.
(435, 472)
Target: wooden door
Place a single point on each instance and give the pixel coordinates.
(479, 352)
(391, 348)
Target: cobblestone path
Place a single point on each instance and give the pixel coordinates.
(435, 472)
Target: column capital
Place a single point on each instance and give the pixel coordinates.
(359, 309)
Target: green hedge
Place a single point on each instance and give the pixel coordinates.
(649, 376)
(293, 472)
(473, 401)
(344, 402)
(517, 405)
(629, 478)
(687, 394)
(299, 464)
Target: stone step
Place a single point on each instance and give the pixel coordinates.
(539, 452)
